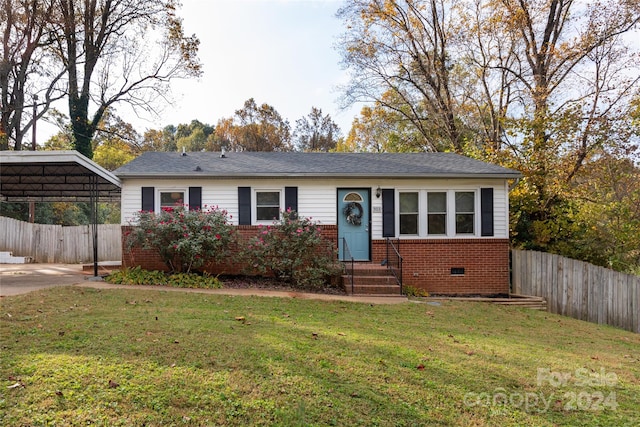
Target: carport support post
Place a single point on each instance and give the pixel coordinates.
(93, 179)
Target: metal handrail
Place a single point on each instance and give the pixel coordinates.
(345, 258)
(396, 265)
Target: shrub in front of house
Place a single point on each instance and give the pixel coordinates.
(293, 250)
(185, 240)
(138, 276)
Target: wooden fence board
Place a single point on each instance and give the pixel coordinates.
(578, 289)
(47, 243)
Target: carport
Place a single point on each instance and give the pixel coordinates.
(57, 176)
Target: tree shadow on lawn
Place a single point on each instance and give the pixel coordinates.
(276, 360)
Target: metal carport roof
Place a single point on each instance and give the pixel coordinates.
(51, 176)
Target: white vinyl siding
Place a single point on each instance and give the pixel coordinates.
(317, 198)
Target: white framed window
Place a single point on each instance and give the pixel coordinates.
(170, 198)
(409, 212)
(437, 213)
(465, 212)
(267, 205)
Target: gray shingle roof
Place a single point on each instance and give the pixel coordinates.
(295, 164)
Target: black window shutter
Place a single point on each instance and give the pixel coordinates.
(148, 202)
(244, 205)
(195, 198)
(291, 198)
(486, 211)
(388, 213)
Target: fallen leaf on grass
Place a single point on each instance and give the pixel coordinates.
(420, 367)
(314, 335)
(113, 384)
(16, 385)
(342, 334)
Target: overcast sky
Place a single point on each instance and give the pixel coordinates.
(276, 51)
(279, 52)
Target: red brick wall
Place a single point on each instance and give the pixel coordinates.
(426, 263)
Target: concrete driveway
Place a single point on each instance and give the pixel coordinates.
(18, 279)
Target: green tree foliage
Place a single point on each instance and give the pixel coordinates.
(253, 128)
(160, 139)
(194, 136)
(62, 213)
(544, 86)
(380, 130)
(316, 132)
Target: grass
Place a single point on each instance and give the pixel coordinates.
(75, 356)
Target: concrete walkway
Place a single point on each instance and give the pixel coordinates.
(16, 279)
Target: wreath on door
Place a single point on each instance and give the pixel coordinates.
(353, 212)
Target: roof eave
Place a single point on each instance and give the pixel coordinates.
(514, 175)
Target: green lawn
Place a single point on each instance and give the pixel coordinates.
(75, 356)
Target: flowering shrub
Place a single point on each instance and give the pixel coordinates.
(184, 239)
(293, 250)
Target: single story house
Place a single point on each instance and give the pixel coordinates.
(447, 215)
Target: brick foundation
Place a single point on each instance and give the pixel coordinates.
(427, 263)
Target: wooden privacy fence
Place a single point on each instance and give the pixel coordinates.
(56, 243)
(578, 289)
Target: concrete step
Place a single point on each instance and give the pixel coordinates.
(8, 258)
(522, 301)
(368, 270)
(371, 285)
(378, 290)
(370, 279)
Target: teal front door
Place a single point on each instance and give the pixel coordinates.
(354, 223)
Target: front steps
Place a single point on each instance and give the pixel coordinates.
(370, 279)
(8, 258)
